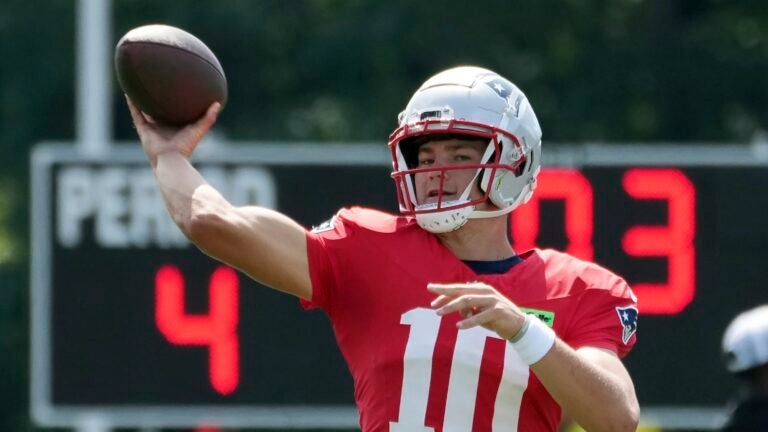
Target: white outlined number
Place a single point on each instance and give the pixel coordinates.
(463, 381)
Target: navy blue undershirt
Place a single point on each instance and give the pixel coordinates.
(493, 267)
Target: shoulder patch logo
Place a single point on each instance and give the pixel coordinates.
(628, 319)
(325, 226)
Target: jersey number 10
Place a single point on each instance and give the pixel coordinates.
(463, 381)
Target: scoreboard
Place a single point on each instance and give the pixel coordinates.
(133, 324)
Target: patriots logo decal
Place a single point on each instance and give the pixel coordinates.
(500, 87)
(628, 318)
(504, 89)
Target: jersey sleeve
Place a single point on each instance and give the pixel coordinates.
(605, 315)
(342, 257)
(323, 244)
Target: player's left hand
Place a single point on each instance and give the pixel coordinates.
(480, 305)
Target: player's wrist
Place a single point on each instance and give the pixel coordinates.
(533, 341)
(523, 329)
(165, 154)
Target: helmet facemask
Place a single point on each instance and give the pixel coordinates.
(449, 212)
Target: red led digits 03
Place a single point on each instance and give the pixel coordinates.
(673, 241)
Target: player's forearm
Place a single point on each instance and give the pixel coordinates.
(594, 397)
(276, 245)
(184, 190)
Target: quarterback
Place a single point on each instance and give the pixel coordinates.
(443, 325)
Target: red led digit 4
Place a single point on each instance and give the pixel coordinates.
(216, 330)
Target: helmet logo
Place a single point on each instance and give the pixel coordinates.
(501, 87)
(504, 90)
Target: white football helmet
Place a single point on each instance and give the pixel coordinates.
(474, 102)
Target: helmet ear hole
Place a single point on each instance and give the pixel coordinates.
(525, 165)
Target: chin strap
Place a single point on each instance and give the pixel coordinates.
(484, 214)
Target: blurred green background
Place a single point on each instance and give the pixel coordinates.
(320, 70)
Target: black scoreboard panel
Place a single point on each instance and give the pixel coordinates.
(139, 318)
(111, 338)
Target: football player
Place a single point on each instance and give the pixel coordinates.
(745, 350)
(443, 325)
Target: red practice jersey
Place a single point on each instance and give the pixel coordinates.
(414, 370)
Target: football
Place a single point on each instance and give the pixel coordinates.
(169, 74)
